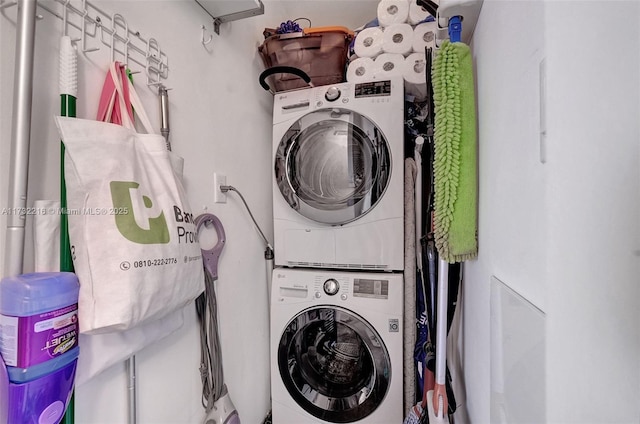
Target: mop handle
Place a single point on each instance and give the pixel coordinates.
(440, 394)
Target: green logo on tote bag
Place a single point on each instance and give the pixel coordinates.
(136, 225)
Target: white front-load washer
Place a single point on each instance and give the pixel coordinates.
(338, 155)
(336, 347)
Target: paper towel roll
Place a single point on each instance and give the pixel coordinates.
(398, 38)
(415, 77)
(360, 70)
(393, 12)
(416, 14)
(368, 42)
(388, 65)
(46, 236)
(424, 35)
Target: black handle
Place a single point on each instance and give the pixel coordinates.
(282, 70)
(429, 6)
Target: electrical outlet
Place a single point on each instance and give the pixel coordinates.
(218, 195)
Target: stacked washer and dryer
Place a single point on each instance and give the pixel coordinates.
(337, 289)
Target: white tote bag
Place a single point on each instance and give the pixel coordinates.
(133, 240)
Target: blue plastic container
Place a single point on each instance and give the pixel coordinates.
(40, 401)
(4, 393)
(39, 323)
(39, 346)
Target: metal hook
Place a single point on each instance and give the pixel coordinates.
(7, 4)
(84, 29)
(150, 57)
(152, 43)
(114, 28)
(164, 66)
(210, 39)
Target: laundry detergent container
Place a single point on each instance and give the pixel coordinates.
(321, 53)
(38, 346)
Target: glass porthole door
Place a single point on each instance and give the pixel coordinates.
(333, 165)
(334, 364)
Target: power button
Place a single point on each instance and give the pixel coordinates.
(331, 286)
(332, 94)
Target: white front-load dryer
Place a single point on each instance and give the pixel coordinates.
(338, 154)
(336, 347)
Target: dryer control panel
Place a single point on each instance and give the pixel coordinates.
(365, 96)
(373, 89)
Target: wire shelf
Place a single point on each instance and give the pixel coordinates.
(127, 45)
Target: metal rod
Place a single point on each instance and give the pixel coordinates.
(164, 114)
(20, 137)
(131, 373)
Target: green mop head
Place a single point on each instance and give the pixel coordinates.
(455, 160)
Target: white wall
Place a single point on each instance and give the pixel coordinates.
(220, 121)
(594, 212)
(508, 45)
(564, 234)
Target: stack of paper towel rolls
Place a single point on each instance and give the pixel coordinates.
(395, 47)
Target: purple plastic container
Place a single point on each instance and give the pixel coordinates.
(38, 346)
(38, 317)
(43, 400)
(4, 393)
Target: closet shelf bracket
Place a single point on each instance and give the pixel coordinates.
(220, 18)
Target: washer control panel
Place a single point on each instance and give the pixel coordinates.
(375, 288)
(336, 287)
(346, 287)
(370, 290)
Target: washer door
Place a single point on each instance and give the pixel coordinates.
(333, 165)
(334, 364)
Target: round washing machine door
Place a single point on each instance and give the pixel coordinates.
(334, 364)
(333, 165)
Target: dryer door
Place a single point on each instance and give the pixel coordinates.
(334, 364)
(333, 165)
